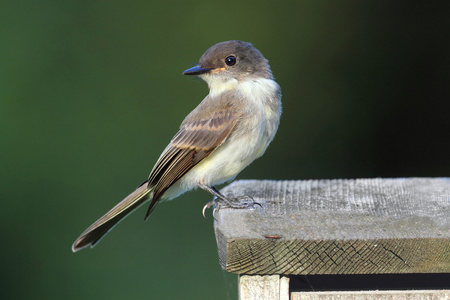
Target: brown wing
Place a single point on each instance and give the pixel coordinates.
(195, 141)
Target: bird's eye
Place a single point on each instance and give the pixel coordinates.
(230, 60)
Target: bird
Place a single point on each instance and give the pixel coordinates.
(230, 128)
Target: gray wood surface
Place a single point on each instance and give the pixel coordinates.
(361, 226)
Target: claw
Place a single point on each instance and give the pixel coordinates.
(209, 205)
(257, 203)
(254, 202)
(203, 210)
(251, 202)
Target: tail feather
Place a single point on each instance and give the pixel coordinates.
(92, 235)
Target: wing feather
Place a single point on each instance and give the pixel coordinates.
(195, 141)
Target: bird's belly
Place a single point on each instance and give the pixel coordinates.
(228, 160)
(221, 166)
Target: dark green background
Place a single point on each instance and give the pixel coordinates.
(91, 92)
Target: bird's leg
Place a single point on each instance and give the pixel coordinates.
(234, 202)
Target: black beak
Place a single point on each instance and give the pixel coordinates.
(197, 70)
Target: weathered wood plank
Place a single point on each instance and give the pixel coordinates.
(362, 226)
(255, 287)
(373, 295)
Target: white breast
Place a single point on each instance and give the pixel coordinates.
(236, 153)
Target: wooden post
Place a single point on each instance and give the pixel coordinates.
(271, 287)
(361, 226)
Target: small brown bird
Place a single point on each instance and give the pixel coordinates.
(227, 131)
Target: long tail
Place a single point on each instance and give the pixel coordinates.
(92, 235)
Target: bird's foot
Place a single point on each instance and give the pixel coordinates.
(236, 203)
(229, 202)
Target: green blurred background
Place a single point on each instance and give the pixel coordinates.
(91, 92)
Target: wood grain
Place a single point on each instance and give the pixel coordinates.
(360, 226)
